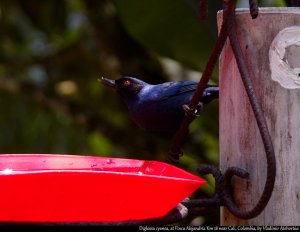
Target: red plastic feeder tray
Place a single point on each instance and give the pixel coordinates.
(68, 188)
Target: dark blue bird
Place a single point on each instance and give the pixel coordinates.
(159, 108)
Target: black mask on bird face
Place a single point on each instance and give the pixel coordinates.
(127, 87)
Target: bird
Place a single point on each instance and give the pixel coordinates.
(159, 108)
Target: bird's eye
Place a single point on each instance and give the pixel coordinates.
(126, 83)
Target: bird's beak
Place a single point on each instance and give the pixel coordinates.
(108, 82)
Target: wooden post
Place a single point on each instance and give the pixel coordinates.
(271, 47)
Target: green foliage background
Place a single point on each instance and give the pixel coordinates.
(53, 51)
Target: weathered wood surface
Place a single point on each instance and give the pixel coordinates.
(240, 141)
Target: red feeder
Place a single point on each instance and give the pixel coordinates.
(68, 188)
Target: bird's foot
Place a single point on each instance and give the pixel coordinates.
(195, 112)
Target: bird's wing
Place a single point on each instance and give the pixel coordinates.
(173, 89)
(170, 90)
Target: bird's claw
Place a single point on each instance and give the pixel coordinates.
(193, 111)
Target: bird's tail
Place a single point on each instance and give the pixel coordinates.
(209, 94)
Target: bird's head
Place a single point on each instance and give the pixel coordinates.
(127, 87)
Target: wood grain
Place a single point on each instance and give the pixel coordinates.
(240, 141)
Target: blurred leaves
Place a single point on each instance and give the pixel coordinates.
(180, 34)
(53, 52)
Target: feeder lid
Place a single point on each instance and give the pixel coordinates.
(69, 188)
